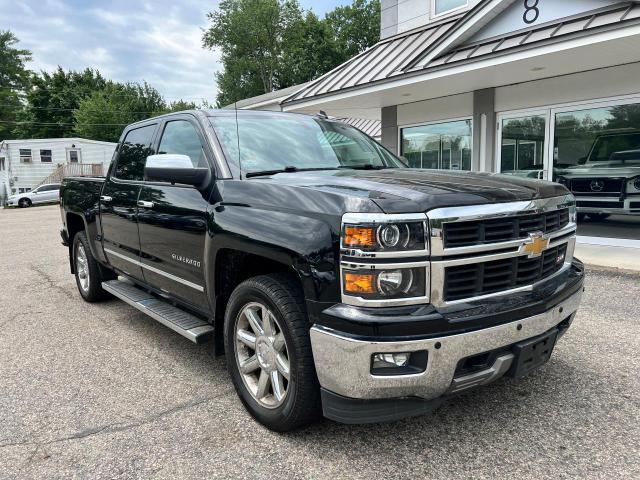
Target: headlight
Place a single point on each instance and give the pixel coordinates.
(388, 237)
(384, 259)
(636, 183)
(385, 284)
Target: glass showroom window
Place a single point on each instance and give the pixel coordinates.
(443, 146)
(596, 155)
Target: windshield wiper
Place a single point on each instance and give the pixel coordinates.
(290, 169)
(364, 166)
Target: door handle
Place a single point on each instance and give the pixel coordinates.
(145, 204)
(105, 199)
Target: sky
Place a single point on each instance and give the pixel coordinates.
(156, 41)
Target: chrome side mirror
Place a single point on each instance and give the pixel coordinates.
(173, 168)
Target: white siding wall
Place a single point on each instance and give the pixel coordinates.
(597, 84)
(439, 109)
(31, 174)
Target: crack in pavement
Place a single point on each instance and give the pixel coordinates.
(50, 280)
(116, 427)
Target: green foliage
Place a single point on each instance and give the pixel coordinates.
(51, 99)
(103, 114)
(14, 79)
(272, 44)
(355, 27)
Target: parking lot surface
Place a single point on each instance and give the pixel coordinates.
(102, 391)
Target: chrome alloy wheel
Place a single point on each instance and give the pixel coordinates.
(262, 355)
(82, 268)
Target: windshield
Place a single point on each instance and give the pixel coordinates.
(617, 149)
(297, 141)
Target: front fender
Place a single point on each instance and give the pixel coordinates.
(307, 243)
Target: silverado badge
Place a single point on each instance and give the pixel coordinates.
(535, 244)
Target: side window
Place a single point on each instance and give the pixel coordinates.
(180, 137)
(133, 153)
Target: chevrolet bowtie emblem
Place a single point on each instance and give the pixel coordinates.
(535, 245)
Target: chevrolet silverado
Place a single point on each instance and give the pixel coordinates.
(336, 280)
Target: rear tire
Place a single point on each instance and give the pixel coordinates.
(270, 351)
(88, 272)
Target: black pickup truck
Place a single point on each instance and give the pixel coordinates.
(336, 280)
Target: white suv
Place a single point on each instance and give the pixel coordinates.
(43, 194)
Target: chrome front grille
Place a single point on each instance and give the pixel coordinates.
(490, 250)
(483, 278)
(463, 234)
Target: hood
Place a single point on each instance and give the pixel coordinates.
(411, 191)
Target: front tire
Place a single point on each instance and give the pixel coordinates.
(24, 203)
(268, 351)
(89, 274)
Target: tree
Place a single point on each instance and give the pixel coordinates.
(249, 34)
(355, 27)
(104, 113)
(308, 51)
(14, 79)
(272, 44)
(52, 99)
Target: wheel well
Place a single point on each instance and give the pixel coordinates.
(74, 225)
(232, 268)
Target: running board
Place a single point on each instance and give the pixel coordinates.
(187, 325)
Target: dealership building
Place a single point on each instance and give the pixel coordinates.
(539, 88)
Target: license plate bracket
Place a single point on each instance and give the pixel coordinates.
(533, 353)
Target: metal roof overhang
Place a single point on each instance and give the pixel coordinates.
(602, 39)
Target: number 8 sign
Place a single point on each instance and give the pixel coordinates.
(531, 11)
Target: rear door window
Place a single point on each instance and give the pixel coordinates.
(135, 149)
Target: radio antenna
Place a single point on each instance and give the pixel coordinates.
(235, 106)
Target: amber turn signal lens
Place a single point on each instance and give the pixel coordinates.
(359, 283)
(360, 237)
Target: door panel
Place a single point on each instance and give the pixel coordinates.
(173, 229)
(119, 201)
(172, 221)
(118, 211)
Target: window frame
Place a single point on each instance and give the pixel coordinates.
(468, 118)
(153, 144)
(50, 156)
(452, 11)
(2, 163)
(22, 157)
(196, 128)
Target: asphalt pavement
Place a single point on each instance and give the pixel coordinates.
(102, 391)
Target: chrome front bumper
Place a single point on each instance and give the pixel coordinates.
(343, 364)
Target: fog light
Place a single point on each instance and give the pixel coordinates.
(391, 360)
(402, 363)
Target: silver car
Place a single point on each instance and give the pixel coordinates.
(49, 193)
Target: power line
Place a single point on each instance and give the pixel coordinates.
(88, 93)
(46, 124)
(55, 109)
